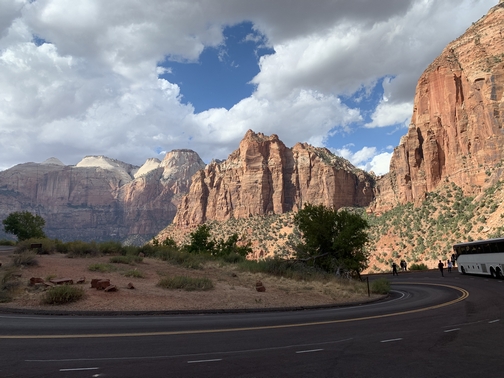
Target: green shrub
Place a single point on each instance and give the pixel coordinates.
(283, 268)
(233, 258)
(101, 267)
(62, 294)
(186, 283)
(25, 259)
(182, 258)
(7, 242)
(48, 246)
(420, 266)
(8, 282)
(129, 259)
(380, 286)
(110, 248)
(79, 248)
(134, 273)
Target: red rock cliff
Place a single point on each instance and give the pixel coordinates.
(456, 128)
(264, 177)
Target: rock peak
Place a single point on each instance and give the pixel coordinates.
(265, 177)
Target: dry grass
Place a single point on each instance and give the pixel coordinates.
(232, 288)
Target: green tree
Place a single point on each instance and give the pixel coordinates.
(24, 225)
(331, 240)
(200, 240)
(230, 246)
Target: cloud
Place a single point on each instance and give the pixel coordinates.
(387, 114)
(367, 158)
(94, 86)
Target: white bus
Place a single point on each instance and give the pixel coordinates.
(481, 257)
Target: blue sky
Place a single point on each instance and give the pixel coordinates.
(131, 80)
(221, 76)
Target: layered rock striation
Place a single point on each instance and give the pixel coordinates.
(265, 177)
(100, 198)
(455, 134)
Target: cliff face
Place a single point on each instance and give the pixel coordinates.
(265, 177)
(456, 129)
(100, 198)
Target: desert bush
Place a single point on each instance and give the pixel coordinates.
(79, 248)
(8, 283)
(128, 259)
(182, 258)
(380, 286)
(186, 283)
(420, 266)
(25, 259)
(284, 268)
(134, 273)
(110, 248)
(7, 242)
(233, 258)
(101, 267)
(48, 246)
(62, 294)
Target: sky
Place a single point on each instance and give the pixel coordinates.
(132, 80)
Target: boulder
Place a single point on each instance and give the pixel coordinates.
(61, 281)
(110, 288)
(94, 282)
(260, 287)
(36, 280)
(102, 284)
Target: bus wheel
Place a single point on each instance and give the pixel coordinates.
(492, 273)
(499, 274)
(463, 270)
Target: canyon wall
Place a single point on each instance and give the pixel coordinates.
(455, 134)
(100, 198)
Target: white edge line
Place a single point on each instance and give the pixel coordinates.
(309, 351)
(391, 340)
(79, 369)
(452, 330)
(494, 321)
(200, 361)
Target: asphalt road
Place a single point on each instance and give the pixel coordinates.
(430, 327)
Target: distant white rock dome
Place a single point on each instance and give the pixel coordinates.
(149, 165)
(53, 161)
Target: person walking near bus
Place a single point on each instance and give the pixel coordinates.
(394, 269)
(453, 259)
(441, 267)
(449, 264)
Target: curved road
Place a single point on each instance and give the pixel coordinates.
(431, 326)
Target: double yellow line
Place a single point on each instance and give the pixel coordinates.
(464, 295)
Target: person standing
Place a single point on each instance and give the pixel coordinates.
(449, 264)
(441, 267)
(453, 259)
(394, 269)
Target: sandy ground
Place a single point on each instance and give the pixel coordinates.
(233, 289)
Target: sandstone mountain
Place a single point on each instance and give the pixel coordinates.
(265, 177)
(100, 198)
(456, 132)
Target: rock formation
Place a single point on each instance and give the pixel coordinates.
(456, 129)
(100, 198)
(265, 177)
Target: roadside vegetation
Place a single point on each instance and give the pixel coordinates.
(186, 283)
(62, 294)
